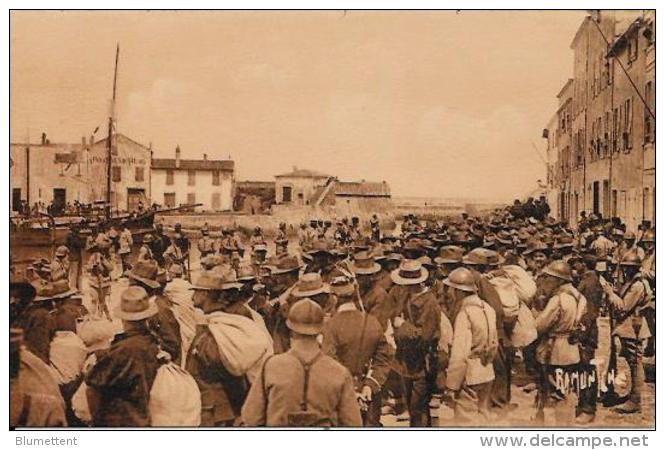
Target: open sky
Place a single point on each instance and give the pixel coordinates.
(439, 104)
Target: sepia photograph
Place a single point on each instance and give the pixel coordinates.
(317, 219)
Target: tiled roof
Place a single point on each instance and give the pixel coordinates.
(302, 173)
(193, 164)
(255, 184)
(362, 189)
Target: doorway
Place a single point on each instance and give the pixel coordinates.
(59, 199)
(16, 199)
(596, 197)
(134, 196)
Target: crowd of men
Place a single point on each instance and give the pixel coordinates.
(341, 328)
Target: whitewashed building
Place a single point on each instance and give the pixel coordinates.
(63, 173)
(297, 187)
(177, 181)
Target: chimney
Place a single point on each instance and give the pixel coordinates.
(91, 140)
(177, 156)
(205, 156)
(82, 142)
(295, 168)
(43, 138)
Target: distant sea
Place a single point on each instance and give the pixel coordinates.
(453, 202)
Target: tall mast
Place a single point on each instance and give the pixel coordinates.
(110, 138)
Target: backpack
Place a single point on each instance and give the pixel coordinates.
(524, 332)
(508, 295)
(491, 347)
(525, 286)
(243, 345)
(175, 399)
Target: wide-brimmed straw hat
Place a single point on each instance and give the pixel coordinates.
(535, 245)
(145, 272)
(342, 286)
(309, 285)
(52, 290)
(426, 261)
(246, 273)
(476, 257)
(564, 241)
(220, 278)
(450, 254)
(283, 264)
(364, 264)
(135, 304)
(409, 272)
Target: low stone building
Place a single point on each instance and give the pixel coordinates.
(297, 187)
(350, 198)
(326, 195)
(177, 181)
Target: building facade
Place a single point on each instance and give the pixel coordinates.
(177, 181)
(300, 187)
(604, 136)
(130, 172)
(48, 173)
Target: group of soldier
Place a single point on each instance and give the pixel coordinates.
(361, 324)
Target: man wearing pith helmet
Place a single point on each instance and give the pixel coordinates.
(475, 343)
(631, 306)
(479, 262)
(302, 387)
(558, 349)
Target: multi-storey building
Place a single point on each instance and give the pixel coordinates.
(58, 174)
(604, 135)
(177, 181)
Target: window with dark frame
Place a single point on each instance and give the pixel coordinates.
(216, 178)
(191, 177)
(139, 174)
(648, 124)
(169, 177)
(116, 173)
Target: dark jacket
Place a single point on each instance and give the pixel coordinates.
(376, 304)
(167, 328)
(123, 378)
(487, 292)
(39, 327)
(222, 394)
(357, 340)
(419, 334)
(590, 287)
